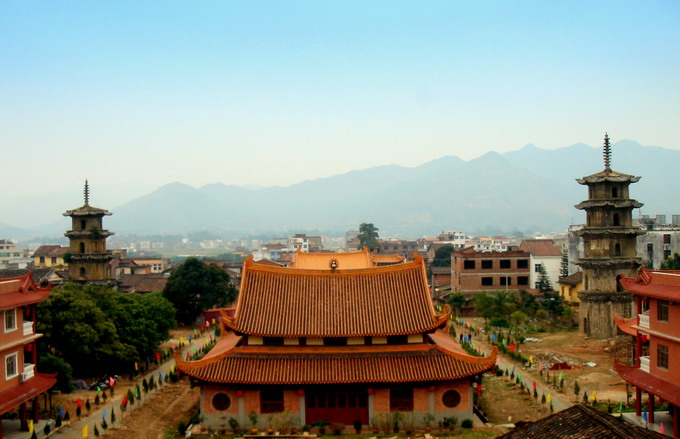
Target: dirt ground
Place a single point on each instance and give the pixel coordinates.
(503, 403)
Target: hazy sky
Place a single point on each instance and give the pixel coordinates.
(273, 93)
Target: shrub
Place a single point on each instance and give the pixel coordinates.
(467, 423)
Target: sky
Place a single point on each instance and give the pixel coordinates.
(135, 95)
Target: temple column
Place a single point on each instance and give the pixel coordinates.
(36, 409)
(676, 421)
(650, 407)
(23, 417)
(638, 401)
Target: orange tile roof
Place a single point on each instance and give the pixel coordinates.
(626, 324)
(291, 302)
(334, 364)
(322, 261)
(379, 258)
(663, 285)
(20, 291)
(540, 247)
(16, 395)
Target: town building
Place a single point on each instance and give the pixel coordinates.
(337, 339)
(52, 255)
(473, 271)
(19, 381)
(570, 286)
(609, 242)
(542, 252)
(656, 330)
(661, 241)
(11, 256)
(89, 260)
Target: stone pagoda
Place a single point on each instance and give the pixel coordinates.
(88, 259)
(609, 238)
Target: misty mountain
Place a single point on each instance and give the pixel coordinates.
(530, 189)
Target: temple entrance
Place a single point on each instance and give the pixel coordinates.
(343, 406)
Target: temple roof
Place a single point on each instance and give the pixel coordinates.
(392, 258)
(609, 176)
(626, 324)
(20, 291)
(293, 302)
(229, 363)
(663, 285)
(322, 261)
(581, 422)
(16, 395)
(87, 210)
(665, 390)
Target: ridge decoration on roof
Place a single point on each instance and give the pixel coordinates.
(230, 363)
(292, 302)
(20, 291)
(659, 284)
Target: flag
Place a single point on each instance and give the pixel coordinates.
(160, 376)
(181, 339)
(512, 347)
(207, 323)
(644, 415)
(531, 359)
(546, 366)
(503, 342)
(124, 401)
(137, 392)
(540, 365)
(592, 396)
(61, 412)
(498, 361)
(493, 337)
(662, 429)
(85, 431)
(213, 320)
(79, 403)
(621, 407)
(30, 425)
(534, 386)
(560, 377)
(104, 415)
(549, 398)
(98, 390)
(112, 382)
(519, 377)
(136, 367)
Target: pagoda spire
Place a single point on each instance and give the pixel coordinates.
(87, 193)
(607, 153)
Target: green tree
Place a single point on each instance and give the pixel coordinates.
(456, 301)
(442, 257)
(672, 263)
(483, 305)
(502, 303)
(564, 265)
(195, 286)
(543, 282)
(368, 236)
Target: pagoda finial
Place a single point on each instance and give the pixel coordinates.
(87, 193)
(607, 153)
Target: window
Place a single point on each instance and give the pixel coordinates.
(53, 260)
(11, 365)
(397, 339)
(522, 263)
(221, 402)
(82, 247)
(401, 400)
(522, 280)
(10, 320)
(487, 281)
(662, 356)
(469, 265)
(487, 265)
(272, 341)
(506, 281)
(666, 238)
(617, 220)
(617, 249)
(82, 272)
(662, 310)
(271, 401)
(505, 263)
(42, 259)
(335, 341)
(537, 268)
(451, 399)
(666, 254)
(82, 224)
(615, 192)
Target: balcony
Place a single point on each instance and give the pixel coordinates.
(28, 328)
(28, 373)
(644, 321)
(644, 364)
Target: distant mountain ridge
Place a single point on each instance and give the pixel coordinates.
(530, 189)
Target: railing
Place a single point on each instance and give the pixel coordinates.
(644, 321)
(29, 372)
(28, 327)
(644, 364)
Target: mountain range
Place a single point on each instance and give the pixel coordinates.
(527, 190)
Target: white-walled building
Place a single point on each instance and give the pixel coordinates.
(543, 251)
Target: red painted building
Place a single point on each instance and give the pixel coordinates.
(19, 381)
(331, 340)
(656, 329)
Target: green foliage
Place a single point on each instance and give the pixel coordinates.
(467, 423)
(672, 263)
(195, 286)
(496, 304)
(48, 363)
(368, 236)
(577, 388)
(543, 282)
(499, 322)
(442, 257)
(96, 329)
(456, 301)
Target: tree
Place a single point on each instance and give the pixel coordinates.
(672, 263)
(368, 236)
(543, 282)
(195, 286)
(456, 301)
(564, 265)
(442, 257)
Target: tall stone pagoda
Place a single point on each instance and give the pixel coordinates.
(89, 260)
(609, 248)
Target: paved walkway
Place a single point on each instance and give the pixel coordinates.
(659, 418)
(74, 430)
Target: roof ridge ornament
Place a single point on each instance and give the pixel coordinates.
(607, 153)
(86, 192)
